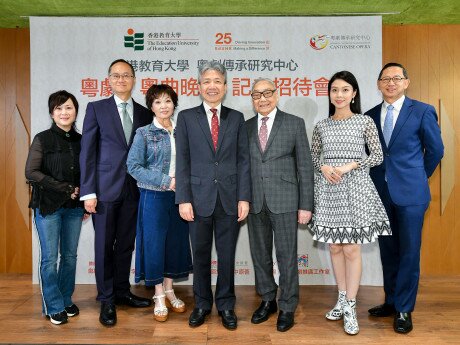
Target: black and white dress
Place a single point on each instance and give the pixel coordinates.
(350, 211)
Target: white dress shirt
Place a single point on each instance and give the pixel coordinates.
(209, 114)
(172, 165)
(129, 107)
(397, 105)
(269, 122)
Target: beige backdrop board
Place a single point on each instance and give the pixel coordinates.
(299, 53)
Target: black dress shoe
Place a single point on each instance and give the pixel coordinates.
(263, 312)
(133, 301)
(382, 310)
(108, 316)
(229, 319)
(402, 323)
(285, 321)
(197, 317)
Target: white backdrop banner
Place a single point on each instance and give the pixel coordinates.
(299, 53)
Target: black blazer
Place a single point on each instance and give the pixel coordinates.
(104, 149)
(202, 172)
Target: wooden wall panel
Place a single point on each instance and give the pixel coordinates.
(20, 261)
(23, 75)
(15, 234)
(454, 239)
(446, 249)
(431, 53)
(2, 155)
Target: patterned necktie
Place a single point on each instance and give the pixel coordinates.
(214, 127)
(126, 122)
(388, 124)
(263, 133)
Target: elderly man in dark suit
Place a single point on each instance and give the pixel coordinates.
(108, 191)
(282, 190)
(412, 149)
(213, 190)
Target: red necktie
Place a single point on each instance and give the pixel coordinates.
(263, 133)
(214, 127)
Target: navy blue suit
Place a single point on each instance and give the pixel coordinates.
(103, 171)
(213, 181)
(413, 153)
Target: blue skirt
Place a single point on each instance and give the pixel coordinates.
(162, 239)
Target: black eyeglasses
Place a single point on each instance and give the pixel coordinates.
(117, 76)
(266, 93)
(396, 79)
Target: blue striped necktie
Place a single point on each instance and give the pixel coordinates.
(388, 124)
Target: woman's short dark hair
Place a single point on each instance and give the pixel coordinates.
(60, 97)
(156, 91)
(349, 78)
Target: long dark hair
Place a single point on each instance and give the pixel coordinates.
(349, 78)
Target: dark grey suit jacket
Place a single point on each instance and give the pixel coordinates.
(202, 172)
(283, 173)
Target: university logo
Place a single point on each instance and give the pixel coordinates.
(319, 42)
(134, 40)
(302, 260)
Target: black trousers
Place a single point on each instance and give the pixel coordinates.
(115, 233)
(226, 230)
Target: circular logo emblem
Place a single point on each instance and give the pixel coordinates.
(319, 42)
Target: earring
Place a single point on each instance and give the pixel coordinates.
(353, 100)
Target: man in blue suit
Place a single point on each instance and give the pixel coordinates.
(108, 191)
(412, 147)
(213, 190)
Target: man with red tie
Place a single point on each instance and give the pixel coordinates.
(213, 190)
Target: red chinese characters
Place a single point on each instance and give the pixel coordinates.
(241, 86)
(287, 86)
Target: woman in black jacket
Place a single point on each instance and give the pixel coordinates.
(53, 170)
